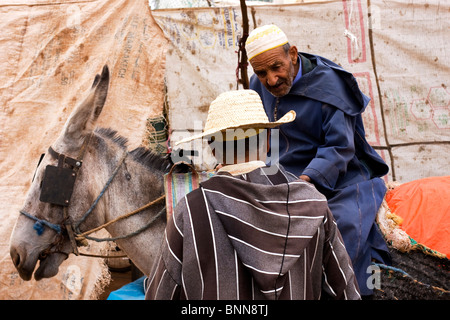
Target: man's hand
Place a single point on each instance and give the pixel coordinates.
(306, 178)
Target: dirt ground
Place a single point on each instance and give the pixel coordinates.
(118, 280)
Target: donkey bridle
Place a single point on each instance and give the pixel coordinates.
(52, 195)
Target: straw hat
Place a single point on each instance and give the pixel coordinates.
(263, 39)
(238, 109)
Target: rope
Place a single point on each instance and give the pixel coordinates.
(120, 237)
(418, 246)
(127, 235)
(79, 237)
(405, 274)
(94, 204)
(383, 266)
(102, 256)
(122, 217)
(39, 225)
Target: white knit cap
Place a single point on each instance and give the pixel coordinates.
(263, 39)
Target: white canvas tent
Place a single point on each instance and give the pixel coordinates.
(397, 50)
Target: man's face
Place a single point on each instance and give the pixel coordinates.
(276, 70)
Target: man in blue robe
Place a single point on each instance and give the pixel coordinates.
(326, 143)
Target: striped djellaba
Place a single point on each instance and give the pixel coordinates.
(253, 236)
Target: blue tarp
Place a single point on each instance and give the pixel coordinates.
(131, 291)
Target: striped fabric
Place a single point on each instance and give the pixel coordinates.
(253, 236)
(177, 185)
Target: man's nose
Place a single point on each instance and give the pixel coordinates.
(271, 80)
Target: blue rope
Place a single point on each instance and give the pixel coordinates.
(40, 224)
(405, 274)
(391, 268)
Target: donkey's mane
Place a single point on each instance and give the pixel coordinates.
(142, 155)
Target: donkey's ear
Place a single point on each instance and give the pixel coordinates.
(101, 85)
(82, 120)
(96, 80)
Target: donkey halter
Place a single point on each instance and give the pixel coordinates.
(57, 188)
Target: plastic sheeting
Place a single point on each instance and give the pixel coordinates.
(397, 50)
(132, 291)
(424, 206)
(50, 52)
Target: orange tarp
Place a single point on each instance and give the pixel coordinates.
(424, 206)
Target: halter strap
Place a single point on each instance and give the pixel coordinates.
(73, 229)
(39, 225)
(70, 161)
(76, 163)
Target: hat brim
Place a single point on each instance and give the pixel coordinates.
(287, 118)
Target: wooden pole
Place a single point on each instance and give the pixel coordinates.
(242, 53)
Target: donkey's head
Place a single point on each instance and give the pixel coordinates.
(40, 232)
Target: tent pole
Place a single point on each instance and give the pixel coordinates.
(242, 53)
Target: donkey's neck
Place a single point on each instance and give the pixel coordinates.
(134, 186)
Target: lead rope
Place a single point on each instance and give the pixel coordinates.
(120, 237)
(84, 234)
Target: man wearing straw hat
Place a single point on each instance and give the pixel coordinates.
(326, 143)
(250, 232)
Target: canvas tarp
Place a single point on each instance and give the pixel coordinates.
(397, 50)
(50, 52)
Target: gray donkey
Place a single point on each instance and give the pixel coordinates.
(88, 178)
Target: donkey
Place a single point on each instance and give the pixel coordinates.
(110, 181)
